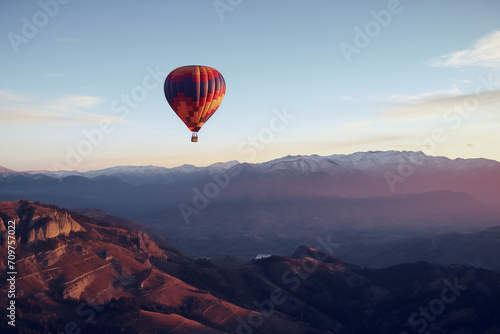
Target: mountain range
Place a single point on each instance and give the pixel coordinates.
(360, 174)
(104, 274)
(380, 199)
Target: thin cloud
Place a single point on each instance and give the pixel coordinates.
(20, 110)
(485, 52)
(24, 116)
(436, 106)
(10, 97)
(454, 91)
(75, 101)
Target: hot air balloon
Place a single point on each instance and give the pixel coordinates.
(194, 93)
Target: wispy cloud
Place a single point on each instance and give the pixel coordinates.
(75, 101)
(484, 52)
(454, 91)
(22, 110)
(11, 97)
(435, 106)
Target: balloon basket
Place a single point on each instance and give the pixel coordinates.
(194, 138)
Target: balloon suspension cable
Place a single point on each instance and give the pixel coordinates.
(194, 137)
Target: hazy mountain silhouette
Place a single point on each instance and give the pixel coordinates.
(272, 207)
(139, 191)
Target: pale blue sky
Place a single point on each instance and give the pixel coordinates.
(70, 74)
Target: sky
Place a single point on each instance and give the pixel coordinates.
(81, 84)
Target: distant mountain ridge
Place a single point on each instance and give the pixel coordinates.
(273, 207)
(138, 174)
(5, 171)
(361, 174)
(372, 161)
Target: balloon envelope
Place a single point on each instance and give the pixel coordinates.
(194, 93)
